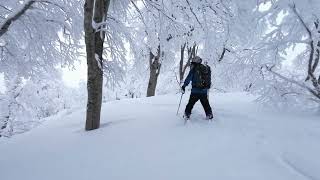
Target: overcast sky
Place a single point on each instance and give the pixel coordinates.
(72, 77)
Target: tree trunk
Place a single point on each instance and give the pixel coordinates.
(155, 66)
(181, 73)
(94, 10)
(13, 92)
(314, 54)
(314, 59)
(192, 52)
(314, 64)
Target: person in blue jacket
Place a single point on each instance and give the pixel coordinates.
(196, 93)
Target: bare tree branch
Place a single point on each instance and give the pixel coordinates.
(313, 61)
(293, 7)
(302, 85)
(5, 8)
(13, 17)
(223, 53)
(140, 14)
(17, 14)
(194, 14)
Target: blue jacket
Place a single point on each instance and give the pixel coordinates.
(194, 79)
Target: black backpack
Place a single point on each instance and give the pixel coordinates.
(202, 77)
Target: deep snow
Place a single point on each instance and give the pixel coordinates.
(143, 139)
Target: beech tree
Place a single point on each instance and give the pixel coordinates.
(95, 12)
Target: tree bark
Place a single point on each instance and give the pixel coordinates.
(94, 12)
(314, 59)
(192, 52)
(181, 73)
(14, 92)
(155, 66)
(314, 52)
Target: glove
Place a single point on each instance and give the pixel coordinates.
(183, 89)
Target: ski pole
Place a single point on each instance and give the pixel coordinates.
(179, 103)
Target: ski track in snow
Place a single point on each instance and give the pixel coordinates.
(144, 139)
(297, 170)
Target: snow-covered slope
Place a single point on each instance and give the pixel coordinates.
(143, 139)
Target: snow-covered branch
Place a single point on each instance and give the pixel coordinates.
(14, 16)
(302, 85)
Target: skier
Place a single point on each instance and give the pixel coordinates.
(200, 75)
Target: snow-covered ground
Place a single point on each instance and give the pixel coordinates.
(143, 139)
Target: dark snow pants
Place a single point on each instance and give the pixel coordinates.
(194, 97)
